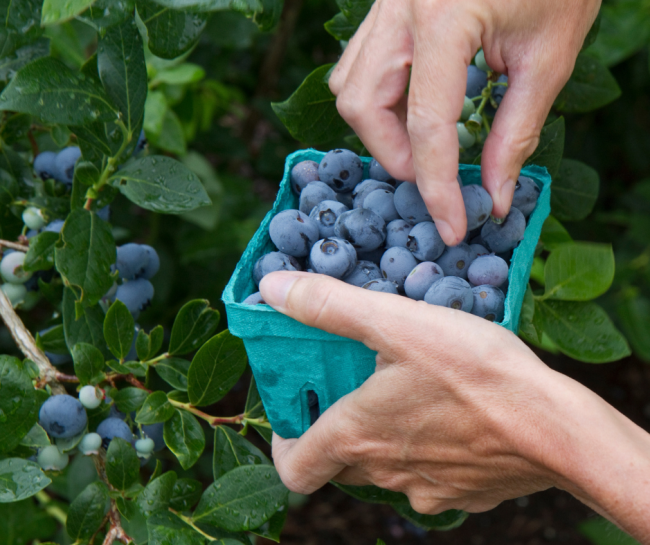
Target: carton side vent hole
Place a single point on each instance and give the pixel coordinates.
(314, 407)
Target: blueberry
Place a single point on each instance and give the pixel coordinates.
(396, 264)
(379, 173)
(478, 205)
(51, 457)
(479, 60)
(363, 228)
(341, 169)
(421, 278)
(33, 218)
(90, 397)
(293, 232)
(90, 444)
(500, 238)
(144, 447)
(526, 195)
(424, 241)
(363, 272)
(466, 139)
(381, 284)
(113, 427)
(325, 214)
(499, 91)
(155, 432)
(11, 268)
(15, 293)
(362, 190)
(409, 204)
(54, 226)
(397, 233)
(455, 260)
(274, 261)
(476, 81)
(131, 260)
(302, 174)
(374, 256)
(254, 299)
(478, 250)
(489, 303)
(141, 143)
(314, 193)
(382, 203)
(468, 109)
(488, 269)
(452, 292)
(44, 165)
(346, 199)
(334, 257)
(62, 416)
(65, 162)
(136, 295)
(152, 263)
(104, 214)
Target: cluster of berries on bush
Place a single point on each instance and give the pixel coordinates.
(377, 234)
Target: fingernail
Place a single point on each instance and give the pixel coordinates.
(446, 232)
(275, 288)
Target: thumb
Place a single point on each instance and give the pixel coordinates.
(515, 132)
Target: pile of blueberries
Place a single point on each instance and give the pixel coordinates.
(64, 417)
(377, 234)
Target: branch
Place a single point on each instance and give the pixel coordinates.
(27, 345)
(14, 245)
(115, 531)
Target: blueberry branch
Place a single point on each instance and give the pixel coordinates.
(130, 378)
(14, 245)
(113, 516)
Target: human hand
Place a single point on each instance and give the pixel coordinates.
(534, 43)
(459, 414)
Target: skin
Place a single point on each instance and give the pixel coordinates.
(534, 43)
(456, 428)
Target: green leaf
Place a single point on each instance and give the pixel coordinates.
(53, 340)
(268, 17)
(215, 369)
(174, 371)
(634, 316)
(272, 528)
(21, 22)
(35, 438)
(46, 88)
(575, 190)
(264, 430)
(156, 408)
(40, 256)
(591, 36)
(355, 10)
(245, 6)
(554, 234)
(243, 499)
(119, 329)
(129, 399)
(184, 437)
(590, 87)
(156, 495)
(13, 62)
(582, 331)
(122, 464)
(148, 345)
(253, 407)
(185, 494)
(182, 74)
(165, 528)
(231, 450)
(88, 363)
(161, 184)
(87, 512)
(86, 255)
(19, 404)
(59, 11)
(20, 479)
(170, 32)
(23, 522)
(579, 272)
(103, 14)
(194, 324)
(526, 327)
(550, 148)
(310, 113)
(121, 67)
(171, 137)
(340, 28)
(602, 532)
(87, 329)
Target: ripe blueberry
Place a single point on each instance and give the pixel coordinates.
(341, 169)
(293, 232)
(421, 278)
(62, 416)
(452, 292)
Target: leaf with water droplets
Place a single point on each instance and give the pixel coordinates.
(20, 479)
(184, 437)
(231, 450)
(11, 63)
(161, 184)
(35, 438)
(582, 331)
(246, 6)
(86, 327)
(156, 408)
(87, 511)
(165, 528)
(272, 528)
(19, 403)
(242, 499)
(185, 494)
(59, 11)
(194, 324)
(46, 88)
(156, 495)
(215, 369)
(40, 256)
(122, 464)
(103, 14)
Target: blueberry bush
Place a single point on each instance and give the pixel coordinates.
(137, 145)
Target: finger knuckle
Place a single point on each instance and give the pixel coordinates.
(425, 504)
(349, 106)
(293, 480)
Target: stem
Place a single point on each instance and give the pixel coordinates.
(27, 345)
(189, 522)
(157, 359)
(112, 377)
(53, 510)
(214, 421)
(33, 143)
(13, 245)
(116, 531)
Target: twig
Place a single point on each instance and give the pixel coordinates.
(130, 378)
(115, 531)
(27, 345)
(14, 245)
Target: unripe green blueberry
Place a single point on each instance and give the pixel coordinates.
(33, 218)
(144, 447)
(90, 444)
(480, 62)
(474, 122)
(90, 397)
(15, 293)
(11, 268)
(465, 138)
(468, 109)
(51, 457)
